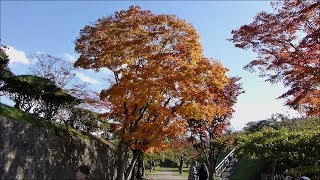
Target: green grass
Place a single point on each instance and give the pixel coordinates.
(185, 171)
(15, 114)
(248, 169)
(147, 171)
(18, 115)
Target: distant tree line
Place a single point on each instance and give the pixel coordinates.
(290, 145)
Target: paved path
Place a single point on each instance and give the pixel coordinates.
(164, 175)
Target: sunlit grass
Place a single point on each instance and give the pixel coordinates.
(18, 115)
(147, 171)
(158, 169)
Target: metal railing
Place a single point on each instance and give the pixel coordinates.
(225, 161)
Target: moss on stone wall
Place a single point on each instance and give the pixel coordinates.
(31, 148)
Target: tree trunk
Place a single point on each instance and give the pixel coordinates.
(211, 167)
(143, 165)
(274, 164)
(151, 164)
(135, 171)
(181, 165)
(140, 168)
(123, 157)
(136, 155)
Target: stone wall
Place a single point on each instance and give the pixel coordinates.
(31, 152)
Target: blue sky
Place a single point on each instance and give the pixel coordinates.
(51, 27)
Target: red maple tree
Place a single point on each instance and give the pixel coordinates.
(288, 45)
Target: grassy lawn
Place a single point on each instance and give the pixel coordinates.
(147, 171)
(185, 171)
(18, 115)
(248, 169)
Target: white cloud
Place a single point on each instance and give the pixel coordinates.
(255, 111)
(87, 79)
(16, 56)
(71, 58)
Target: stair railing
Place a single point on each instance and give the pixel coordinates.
(224, 163)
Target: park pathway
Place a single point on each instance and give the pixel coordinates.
(163, 175)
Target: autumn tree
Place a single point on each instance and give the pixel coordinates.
(180, 151)
(63, 74)
(288, 46)
(60, 71)
(208, 135)
(161, 77)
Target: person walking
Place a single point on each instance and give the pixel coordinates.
(193, 171)
(203, 172)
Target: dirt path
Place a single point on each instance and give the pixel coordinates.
(163, 175)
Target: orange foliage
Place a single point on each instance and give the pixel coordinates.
(161, 75)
